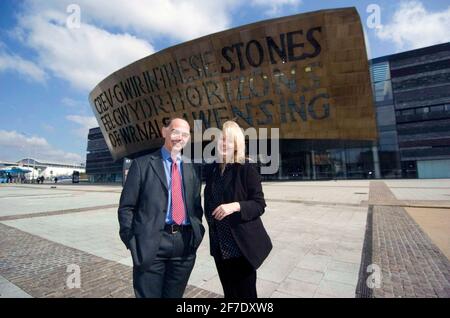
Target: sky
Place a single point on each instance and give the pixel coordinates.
(50, 60)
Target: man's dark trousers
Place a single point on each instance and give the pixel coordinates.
(169, 273)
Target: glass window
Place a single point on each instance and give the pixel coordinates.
(438, 108)
(422, 110)
(388, 138)
(383, 91)
(385, 116)
(408, 112)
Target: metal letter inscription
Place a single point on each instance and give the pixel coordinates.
(305, 74)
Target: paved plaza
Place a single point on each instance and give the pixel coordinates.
(325, 236)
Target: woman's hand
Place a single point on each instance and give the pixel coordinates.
(224, 210)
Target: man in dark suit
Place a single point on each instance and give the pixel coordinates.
(160, 216)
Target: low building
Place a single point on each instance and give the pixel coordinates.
(39, 168)
(100, 166)
(412, 98)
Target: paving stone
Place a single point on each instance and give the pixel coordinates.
(411, 263)
(39, 268)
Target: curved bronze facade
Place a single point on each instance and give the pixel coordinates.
(305, 74)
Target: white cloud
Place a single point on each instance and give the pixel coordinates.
(86, 122)
(14, 63)
(413, 26)
(275, 7)
(75, 105)
(178, 20)
(114, 33)
(72, 103)
(83, 56)
(15, 146)
(13, 138)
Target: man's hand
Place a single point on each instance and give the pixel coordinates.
(224, 210)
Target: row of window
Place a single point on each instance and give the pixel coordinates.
(417, 69)
(426, 95)
(434, 79)
(423, 110)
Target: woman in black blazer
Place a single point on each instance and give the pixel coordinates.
(234, 202)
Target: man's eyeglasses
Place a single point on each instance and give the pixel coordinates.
(177, 133)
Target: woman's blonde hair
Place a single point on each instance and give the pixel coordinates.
(232, 130)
